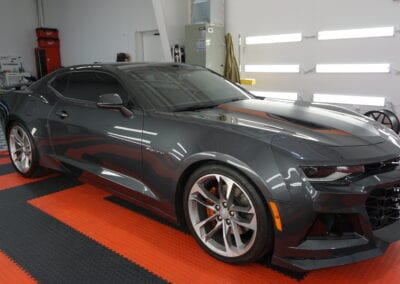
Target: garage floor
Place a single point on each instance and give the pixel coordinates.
(3, 143)
(55, 229)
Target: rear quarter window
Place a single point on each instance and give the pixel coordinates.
(60, 83)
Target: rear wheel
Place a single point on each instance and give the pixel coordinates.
(226, 215)
(23, 152)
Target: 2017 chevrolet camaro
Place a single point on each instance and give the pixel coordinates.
(312, 185)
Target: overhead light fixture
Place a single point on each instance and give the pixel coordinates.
(353, 68)
(349, 100)
(357, 33)
(276, 95)
(272, 68)
(282, 38)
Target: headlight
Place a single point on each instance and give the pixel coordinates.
(331, 173)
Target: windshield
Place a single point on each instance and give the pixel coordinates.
(180, 87)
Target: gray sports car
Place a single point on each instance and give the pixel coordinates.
(312, 185)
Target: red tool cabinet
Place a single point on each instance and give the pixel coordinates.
(46, 33)
(47, 54)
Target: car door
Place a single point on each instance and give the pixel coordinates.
(93, 141)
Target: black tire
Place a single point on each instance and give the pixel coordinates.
(35, 170)
(264, 235)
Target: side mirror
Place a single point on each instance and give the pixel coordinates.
(110, 101)
(113, 101)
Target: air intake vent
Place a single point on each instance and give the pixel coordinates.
(383, 207)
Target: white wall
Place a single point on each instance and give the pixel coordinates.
(176, 13)
(171, 17)
(96, 30)
(18, 21)
(263, 17)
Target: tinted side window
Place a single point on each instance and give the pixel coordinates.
(89, 86)
(60, 83)
(110, 85)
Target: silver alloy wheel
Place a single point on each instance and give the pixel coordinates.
(222, 215)
(20, 149)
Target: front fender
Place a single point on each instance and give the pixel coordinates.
(267, 179)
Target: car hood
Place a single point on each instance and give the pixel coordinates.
(326, 124)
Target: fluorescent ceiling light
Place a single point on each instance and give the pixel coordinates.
(356, 33)
(276, 95)
(349, 100)
(353, 68)
(272, 68)
(274, 38)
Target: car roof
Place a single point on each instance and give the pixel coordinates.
(123, 65)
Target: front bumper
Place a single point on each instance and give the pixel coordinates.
(354, 252)
(301, 247)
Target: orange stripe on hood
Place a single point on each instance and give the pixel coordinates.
(266, 115)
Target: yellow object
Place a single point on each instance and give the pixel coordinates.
(277, 217)
(247, 81)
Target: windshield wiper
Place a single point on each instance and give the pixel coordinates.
(196, 107)
(205, 105)
(235, 100)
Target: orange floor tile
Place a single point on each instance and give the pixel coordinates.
(12, 273)
(175, 256)
(168, 253)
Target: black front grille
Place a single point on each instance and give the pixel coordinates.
(386, 166)
(383, 207)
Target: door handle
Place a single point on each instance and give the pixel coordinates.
(63, 114)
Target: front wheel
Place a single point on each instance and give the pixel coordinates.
(23, 152)
(226, 215)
